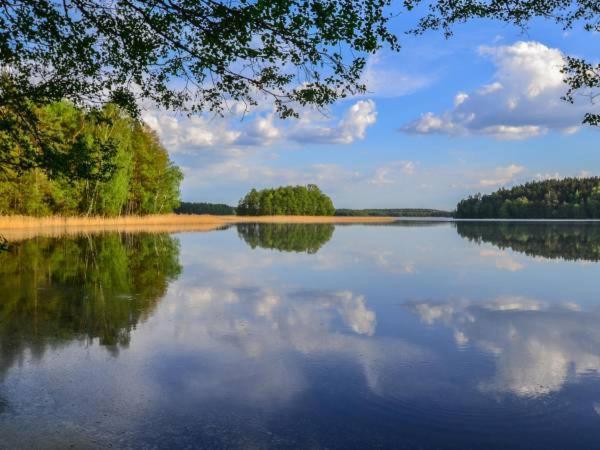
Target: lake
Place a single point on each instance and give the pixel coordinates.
(418, 334)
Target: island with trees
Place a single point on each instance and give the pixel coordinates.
(286, 200)
(568, 198)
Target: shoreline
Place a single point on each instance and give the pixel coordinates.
(24, 227)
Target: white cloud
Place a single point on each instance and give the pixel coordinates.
(460, 98)
(181, 134)
(352, 127)
(513, 132)
(523, 101)
(383, 80)
(489, 88)
(502, 176)
(392, 172)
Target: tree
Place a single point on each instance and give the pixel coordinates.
(286, 200)
(218, 209)
(295, 51)
(576, 198)
(111, 165)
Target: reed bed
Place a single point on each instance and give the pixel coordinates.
(24, 227)
(14, 222)
(20, 222)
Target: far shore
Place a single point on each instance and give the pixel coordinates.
(23, 227)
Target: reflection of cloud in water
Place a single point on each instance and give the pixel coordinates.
(503, 260)
(265, 327)
(537, 347)
(389, 261)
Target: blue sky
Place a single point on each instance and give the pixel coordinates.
(442, 119)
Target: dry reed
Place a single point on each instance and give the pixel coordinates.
(23, 227)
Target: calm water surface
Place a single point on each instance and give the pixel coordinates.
(412, 335)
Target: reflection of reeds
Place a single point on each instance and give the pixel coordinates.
(23, 227)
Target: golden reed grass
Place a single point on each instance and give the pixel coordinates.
(23, 227)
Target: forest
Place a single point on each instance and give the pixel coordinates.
(96, 162)
(568, 198)
(286, 200)
(393, 212)
(217, 209)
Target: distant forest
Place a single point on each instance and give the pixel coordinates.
(393, 212)
(101, 162)
(569, 198)
(286, 200)
(217, 209)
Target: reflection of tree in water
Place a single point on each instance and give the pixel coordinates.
(569, 241)
(297, 237)
(56, 290)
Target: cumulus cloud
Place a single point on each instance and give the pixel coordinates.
(392, 172)
(523, 100)
(182, 134)
(245, 170)
(501, 176)
(353, 126)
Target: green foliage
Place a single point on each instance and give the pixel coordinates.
(55, 290)
(103, 162)
(569, 198)
(216, 209)
(393, 212)
(566, 241)
(286, 237)
(296, 51)
(286, 200)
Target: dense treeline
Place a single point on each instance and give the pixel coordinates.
(94, 287)
(286, 200)
(558, 240)
(218, 209)
(569, 198)
(103, 162)
(286, 237)
(393, 212)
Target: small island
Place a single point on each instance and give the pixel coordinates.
(286, 201)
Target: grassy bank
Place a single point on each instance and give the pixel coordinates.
(23, 227)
